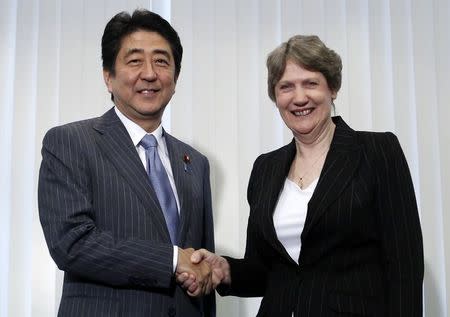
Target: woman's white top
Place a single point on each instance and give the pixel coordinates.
(290, 215)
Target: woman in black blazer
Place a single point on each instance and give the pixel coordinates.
(333, 227)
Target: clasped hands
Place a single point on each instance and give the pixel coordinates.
(200, 272)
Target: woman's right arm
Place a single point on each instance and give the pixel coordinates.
(239, 277)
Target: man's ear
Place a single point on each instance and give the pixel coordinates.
(107, 78)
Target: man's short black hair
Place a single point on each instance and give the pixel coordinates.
(123, 24)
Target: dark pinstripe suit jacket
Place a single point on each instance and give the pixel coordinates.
(361, 249)
(104, 226)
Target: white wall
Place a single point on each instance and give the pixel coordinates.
(395, 77)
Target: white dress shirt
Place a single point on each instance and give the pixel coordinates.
(136, 134)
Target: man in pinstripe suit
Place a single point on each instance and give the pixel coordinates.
(101, 215)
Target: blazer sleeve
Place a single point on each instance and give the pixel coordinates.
(249, 275)
(400, 230)
(67, 216)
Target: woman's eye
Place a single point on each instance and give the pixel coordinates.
(284, 87)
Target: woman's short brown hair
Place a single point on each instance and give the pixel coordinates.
(309, 52)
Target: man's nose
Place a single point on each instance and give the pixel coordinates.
(148, 72)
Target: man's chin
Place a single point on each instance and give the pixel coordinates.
(150, 114)
(154, 113)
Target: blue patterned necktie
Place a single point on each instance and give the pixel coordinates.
(160, 181)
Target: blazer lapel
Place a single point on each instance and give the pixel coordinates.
(339, 167)
(115, 142)
(182, 180)
(280, 166)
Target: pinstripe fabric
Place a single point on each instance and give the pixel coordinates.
(361, 249)
(104, 226)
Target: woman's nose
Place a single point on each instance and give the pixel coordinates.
(300, 96)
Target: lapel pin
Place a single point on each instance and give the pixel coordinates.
(186, 160)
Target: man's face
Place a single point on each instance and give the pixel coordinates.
(144, 79)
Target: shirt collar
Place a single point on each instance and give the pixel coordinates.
(136, 132)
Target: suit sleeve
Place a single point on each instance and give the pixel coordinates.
(401, 233)
(66, 212)
(249, 275)
(208, 229)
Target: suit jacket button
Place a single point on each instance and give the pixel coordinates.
(171, 311)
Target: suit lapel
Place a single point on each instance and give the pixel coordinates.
(182, 180)
(340, 165)
(115, 142)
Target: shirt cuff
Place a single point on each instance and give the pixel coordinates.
(175, 258)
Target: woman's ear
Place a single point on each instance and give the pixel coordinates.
(333, 95)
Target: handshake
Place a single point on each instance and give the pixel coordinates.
(199, 272)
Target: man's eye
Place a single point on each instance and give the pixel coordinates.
(161, 61)
(134, 61)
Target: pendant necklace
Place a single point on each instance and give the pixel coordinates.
(300, 180)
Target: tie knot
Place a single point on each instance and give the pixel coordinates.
(149, 141)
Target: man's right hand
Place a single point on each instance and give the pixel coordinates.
(220, 272)
(197, 275)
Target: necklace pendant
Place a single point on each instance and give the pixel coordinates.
(300, 182)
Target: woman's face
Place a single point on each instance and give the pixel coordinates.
(304, 101)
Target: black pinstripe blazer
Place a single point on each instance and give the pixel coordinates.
(361, 249)
(104, 226)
